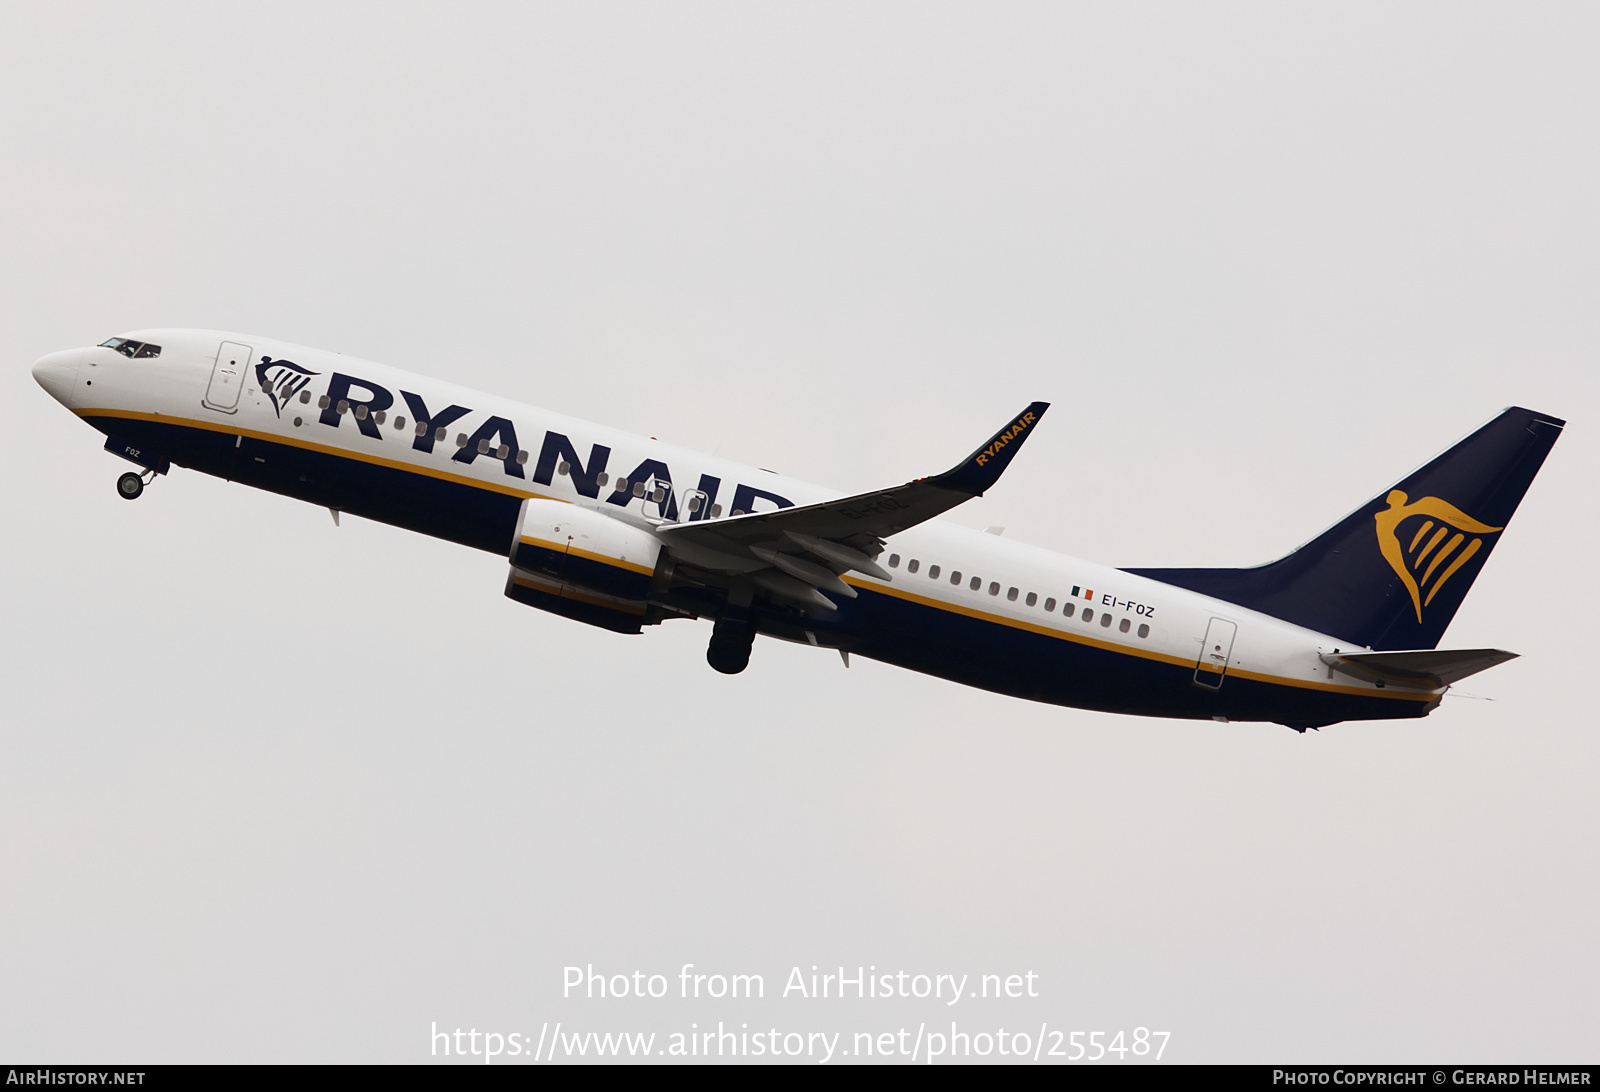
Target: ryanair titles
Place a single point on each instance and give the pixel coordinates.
(369, 404)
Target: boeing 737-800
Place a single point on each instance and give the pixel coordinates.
(624, 532)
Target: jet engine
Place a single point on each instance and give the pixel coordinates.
(582, 564)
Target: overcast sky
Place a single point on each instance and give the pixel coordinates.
(275, 790)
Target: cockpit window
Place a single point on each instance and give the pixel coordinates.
(130, 348)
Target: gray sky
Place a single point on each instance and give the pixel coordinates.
(272, 790)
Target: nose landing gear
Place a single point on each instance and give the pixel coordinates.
(131, 485)
(731, 640)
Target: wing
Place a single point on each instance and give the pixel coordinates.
(795, 551)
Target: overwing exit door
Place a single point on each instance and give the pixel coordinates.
(693, 505)
(228, 377)
(1212, 667)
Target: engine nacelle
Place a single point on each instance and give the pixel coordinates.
(582, 564)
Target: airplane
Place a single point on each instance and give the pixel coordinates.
(623, 532)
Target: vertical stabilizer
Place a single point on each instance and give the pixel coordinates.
(1392, 574)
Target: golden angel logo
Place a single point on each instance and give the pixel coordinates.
(1439, 517)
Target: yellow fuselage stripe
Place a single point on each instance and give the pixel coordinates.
(882, 589)
(307, 445)
(1141, 653)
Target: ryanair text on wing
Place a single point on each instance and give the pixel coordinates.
(1006, 437)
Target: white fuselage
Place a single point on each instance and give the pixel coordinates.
(1001, 582)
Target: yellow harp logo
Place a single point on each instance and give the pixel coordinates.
(1428, 543)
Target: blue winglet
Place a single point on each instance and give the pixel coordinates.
(984, 466)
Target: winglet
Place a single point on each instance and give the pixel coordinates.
(984, 466)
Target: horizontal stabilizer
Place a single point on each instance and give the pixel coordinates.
(1429, 669)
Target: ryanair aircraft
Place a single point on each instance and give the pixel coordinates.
(623, 532)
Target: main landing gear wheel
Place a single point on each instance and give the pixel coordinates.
(129, 486)
(731, 639)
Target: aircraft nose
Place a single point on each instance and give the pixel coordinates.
(56, 373)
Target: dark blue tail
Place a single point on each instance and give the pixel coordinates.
(1391, 574)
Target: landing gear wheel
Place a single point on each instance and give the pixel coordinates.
(129, 486)
(729, 651)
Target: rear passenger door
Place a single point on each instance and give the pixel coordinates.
(1212, 667)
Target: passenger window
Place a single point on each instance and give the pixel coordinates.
(894, 561)
(1144, 630)
(911, 566)
(1033, 597)
(461, 439)
(343, 406)
(1088, 615)
(1011, 594)
(305, 396)
(442, 435)
(977, 582)
(522, 457)
(399, 424)
(740, 512)
(361, 413)
(322, 403)
(564, 469)
(421, 429)
(638, 489)
(1105, 619)
(994, 589)
(622, 485)
(716, 510)
(1123, 625)
(955, 578)
(601, 478)
(1049, 605)
(1068, 609)
(380, 417)
(503, 451)
(933, 572)
(694, 504)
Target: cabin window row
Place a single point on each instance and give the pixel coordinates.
(692, 503)
(1068, 607)
(602, 479)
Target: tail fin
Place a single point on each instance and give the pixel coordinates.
(1391, 574)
